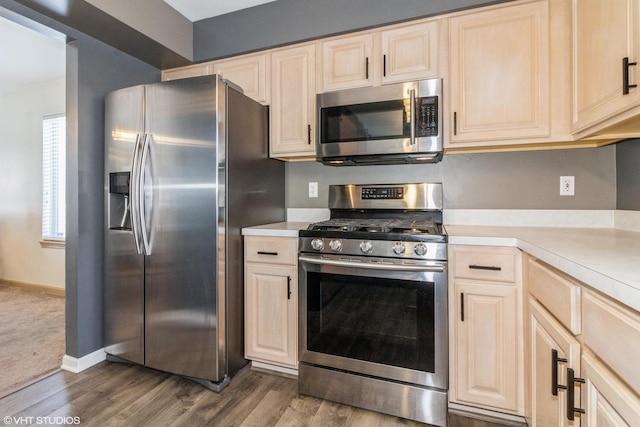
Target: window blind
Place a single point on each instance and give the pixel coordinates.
(53, 177)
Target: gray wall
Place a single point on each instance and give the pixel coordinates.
(628, 174)
(285, 21)
(517, 180)
(154, 18)
(93, 69)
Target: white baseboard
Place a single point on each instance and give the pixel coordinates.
(75, 365)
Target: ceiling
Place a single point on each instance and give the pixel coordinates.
(195, 10)
(28, 58)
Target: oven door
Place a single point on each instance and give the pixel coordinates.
(373, 318)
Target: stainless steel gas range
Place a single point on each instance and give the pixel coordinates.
(373, 304)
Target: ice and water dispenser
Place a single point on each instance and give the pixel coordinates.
(119, 212)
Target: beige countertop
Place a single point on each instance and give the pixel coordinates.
(278, 229)
(607, 259)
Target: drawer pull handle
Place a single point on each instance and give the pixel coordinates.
(484, 267)
(571, 381)
(267, 253)
(554, 372)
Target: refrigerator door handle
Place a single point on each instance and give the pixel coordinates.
(141, 194)
(134, 189)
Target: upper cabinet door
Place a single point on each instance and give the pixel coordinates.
(604, 33)
(347, 62)
(293, 102)
(499, 67)
(410, 53)
(197, 70)
(250, 72)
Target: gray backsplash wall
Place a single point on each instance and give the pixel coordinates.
(515, 180)
(628, 174)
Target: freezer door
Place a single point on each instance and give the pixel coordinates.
(124, 267)
(179, 215)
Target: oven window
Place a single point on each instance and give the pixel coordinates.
(364, 122)
(379, 320)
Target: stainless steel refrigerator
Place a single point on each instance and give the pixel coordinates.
(186, 167)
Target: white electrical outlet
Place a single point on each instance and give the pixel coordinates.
(567, 186)
(313, 189)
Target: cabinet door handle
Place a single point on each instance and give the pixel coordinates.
(267, 253)
(462, 306)
(625, 75)
(384, 65)
(571, 381)
(455, 123)
(309, 134)
(288, 287)
(554, 372)
(366, 68)
(485, 267)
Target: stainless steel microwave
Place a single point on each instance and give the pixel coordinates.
(390, 124)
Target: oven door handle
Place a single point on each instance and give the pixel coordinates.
(373, 266)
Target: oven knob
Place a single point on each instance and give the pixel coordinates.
(317, 244)
(398, 248)
(420, 249)
(335, 245)
(366, 246)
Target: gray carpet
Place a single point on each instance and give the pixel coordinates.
(31, 336)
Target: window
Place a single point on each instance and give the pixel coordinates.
(53, 177)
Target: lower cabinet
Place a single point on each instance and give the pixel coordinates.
(486, 323)
(588, 377)
(605, 399)
(552, 350)
(271, 300)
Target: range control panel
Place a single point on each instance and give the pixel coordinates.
(382, 193)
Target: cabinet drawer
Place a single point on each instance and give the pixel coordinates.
(484, 263)
(556, 292)
(613, 333)
(271, 250)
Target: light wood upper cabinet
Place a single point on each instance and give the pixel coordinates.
(293, 102)
(485, 298)
(410, 53)
(250, 72)
(500, 64)
(197, 70)
(604, 32)
(347, 62)
(398, 54)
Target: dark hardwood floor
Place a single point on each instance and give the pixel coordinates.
(114, 394)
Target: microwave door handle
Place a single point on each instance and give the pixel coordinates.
(412, 113)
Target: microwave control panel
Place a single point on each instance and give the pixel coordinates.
(427, 116)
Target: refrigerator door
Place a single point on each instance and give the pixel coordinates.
(179, 221)
(124, 267)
